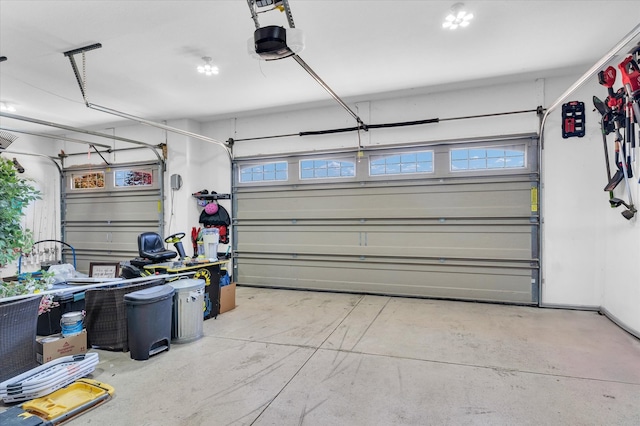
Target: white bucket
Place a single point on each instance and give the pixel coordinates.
(71, 323)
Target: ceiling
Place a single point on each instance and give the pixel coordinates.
(361, 49)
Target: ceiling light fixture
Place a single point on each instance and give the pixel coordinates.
(457, 17)
(208, 68)
(4, 106)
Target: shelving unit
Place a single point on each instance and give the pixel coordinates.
(212, 196)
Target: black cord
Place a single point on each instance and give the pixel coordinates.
(96, 150)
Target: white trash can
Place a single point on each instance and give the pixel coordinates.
(188, 310)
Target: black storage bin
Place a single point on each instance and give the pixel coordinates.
(149, 315)
(49, 322)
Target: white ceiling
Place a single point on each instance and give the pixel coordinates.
(146, 66)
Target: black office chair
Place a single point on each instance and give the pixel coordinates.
(151, 246)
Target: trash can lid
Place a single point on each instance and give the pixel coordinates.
(187, 284)
(149, 295)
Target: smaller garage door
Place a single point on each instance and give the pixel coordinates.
(106, 208)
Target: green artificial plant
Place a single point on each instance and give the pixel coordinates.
(15, 195)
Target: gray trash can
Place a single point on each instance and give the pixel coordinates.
(149, 321)
(188, 310)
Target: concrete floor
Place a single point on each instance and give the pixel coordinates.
(294, 357)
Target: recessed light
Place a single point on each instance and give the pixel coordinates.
(208, 68)
(5, 106)
(457, 17)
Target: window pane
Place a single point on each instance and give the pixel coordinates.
(477, 153)
(478, 164)
(488, 158)
(425, 156)
(408, 158)
(404, 163)
(393, 169)
(495, 163)
(319, 169)
(376, 170)
(459, 154)
(264, 172)
(348, 171)
(424, 167)
(459, 165)
(515, 161)
(408, 168)
(320, 173)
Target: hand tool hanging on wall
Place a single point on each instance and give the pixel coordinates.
(617, 110)
(614, 102)
(606, 127)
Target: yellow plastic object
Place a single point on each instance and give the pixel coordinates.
(70, 400)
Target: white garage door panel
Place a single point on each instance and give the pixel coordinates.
(501, 242)
(439, 281)
(113, 208)
(503, 199)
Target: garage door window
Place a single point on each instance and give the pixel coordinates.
(327, 169)
(264, 172)
(487, 158)
(401, 163)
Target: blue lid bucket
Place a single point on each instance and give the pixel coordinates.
(71, 323)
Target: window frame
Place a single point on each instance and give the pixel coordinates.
(432, 153)
(262, 165)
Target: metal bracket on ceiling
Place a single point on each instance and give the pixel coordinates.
(81, 79)
(81, 83)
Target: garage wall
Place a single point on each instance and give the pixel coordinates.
(42, 216)
(589, 251)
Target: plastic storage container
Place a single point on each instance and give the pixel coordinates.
(188, 303)
(211, 238)
(149, 321)
(49, 322)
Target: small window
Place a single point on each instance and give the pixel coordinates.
(91, 180)
(326, 169)
(126, 178)
(487, 158)
(264, 172)
(401, 164)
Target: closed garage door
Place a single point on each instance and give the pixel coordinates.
(455, 220)
(106, 208)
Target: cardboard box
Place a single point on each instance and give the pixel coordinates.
(227, 297)
(49, 348)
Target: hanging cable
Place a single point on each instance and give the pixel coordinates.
(387, 125)
(103, 159)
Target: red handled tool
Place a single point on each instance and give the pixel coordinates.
(194, 240)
